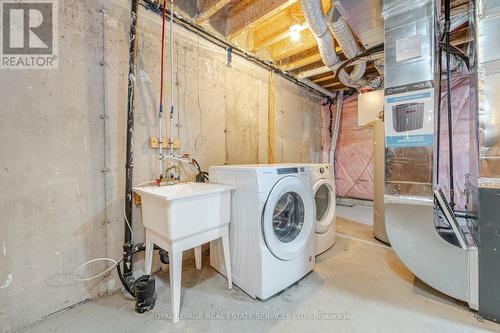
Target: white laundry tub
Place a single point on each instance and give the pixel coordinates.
(181, 217)
(185, 209)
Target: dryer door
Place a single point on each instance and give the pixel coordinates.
(324, 198)
(288, 218)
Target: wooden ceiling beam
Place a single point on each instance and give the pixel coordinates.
(309, 67)
(301, 59)
(207, 8)
(277, 27)
(323, 79)
(328, 82)
(333, 85)
(260, 40)
(462, 41)
(304, 60)
(246, 14)
(286, 48)
(324, 69)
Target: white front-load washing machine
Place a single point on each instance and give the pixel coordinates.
(272, 226)
(323, 189)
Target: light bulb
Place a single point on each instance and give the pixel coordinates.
(295, 32)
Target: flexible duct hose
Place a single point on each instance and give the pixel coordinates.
(350, 47)
(313, 12)
(327, 50)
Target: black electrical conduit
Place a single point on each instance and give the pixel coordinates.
(129, 163)
(438, 139)
(440, 93)
(455, 51)
(450, 120)
(129, 248)
(376, 49)
(141, 286)
(157, 8)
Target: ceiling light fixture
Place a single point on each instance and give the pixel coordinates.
(295, 32)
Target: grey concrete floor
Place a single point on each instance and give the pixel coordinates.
(361, 213)
(359, 285)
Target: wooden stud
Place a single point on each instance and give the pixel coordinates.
(270, 119)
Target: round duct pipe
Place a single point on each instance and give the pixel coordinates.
(324, 33)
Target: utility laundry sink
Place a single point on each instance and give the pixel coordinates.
(185, 209)
(181, 217)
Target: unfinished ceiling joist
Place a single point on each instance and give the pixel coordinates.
(277, 27)
(324, 69)
(284, 48)
(207, 8)
(300, 59)
(217, 40)
(246, 14)
(264, 28)
(275, 30)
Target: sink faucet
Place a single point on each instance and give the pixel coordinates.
(172, 175)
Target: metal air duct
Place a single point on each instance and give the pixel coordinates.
(414, 205)
(487, 146)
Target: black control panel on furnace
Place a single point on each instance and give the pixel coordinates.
(288, 171)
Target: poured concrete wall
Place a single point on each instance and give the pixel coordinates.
(52, 207)
(63, 146)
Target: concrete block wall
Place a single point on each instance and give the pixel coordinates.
(62, 165)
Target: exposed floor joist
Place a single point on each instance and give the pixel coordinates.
(301, 59)
(277, 27)
(246, 14)
(207, 8)
(284, 48)
(263, 27)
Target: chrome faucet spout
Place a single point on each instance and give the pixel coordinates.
(176, 176)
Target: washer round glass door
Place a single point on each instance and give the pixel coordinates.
(288, 218)
(324, 198)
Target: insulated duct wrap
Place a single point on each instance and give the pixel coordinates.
(488, 69)
(326, 49)
(486, 189)
(349, 46)
(313, 12)
(457, 20)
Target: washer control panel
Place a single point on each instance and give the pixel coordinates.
(289, 171)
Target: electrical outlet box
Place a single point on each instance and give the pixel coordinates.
(155, 144)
